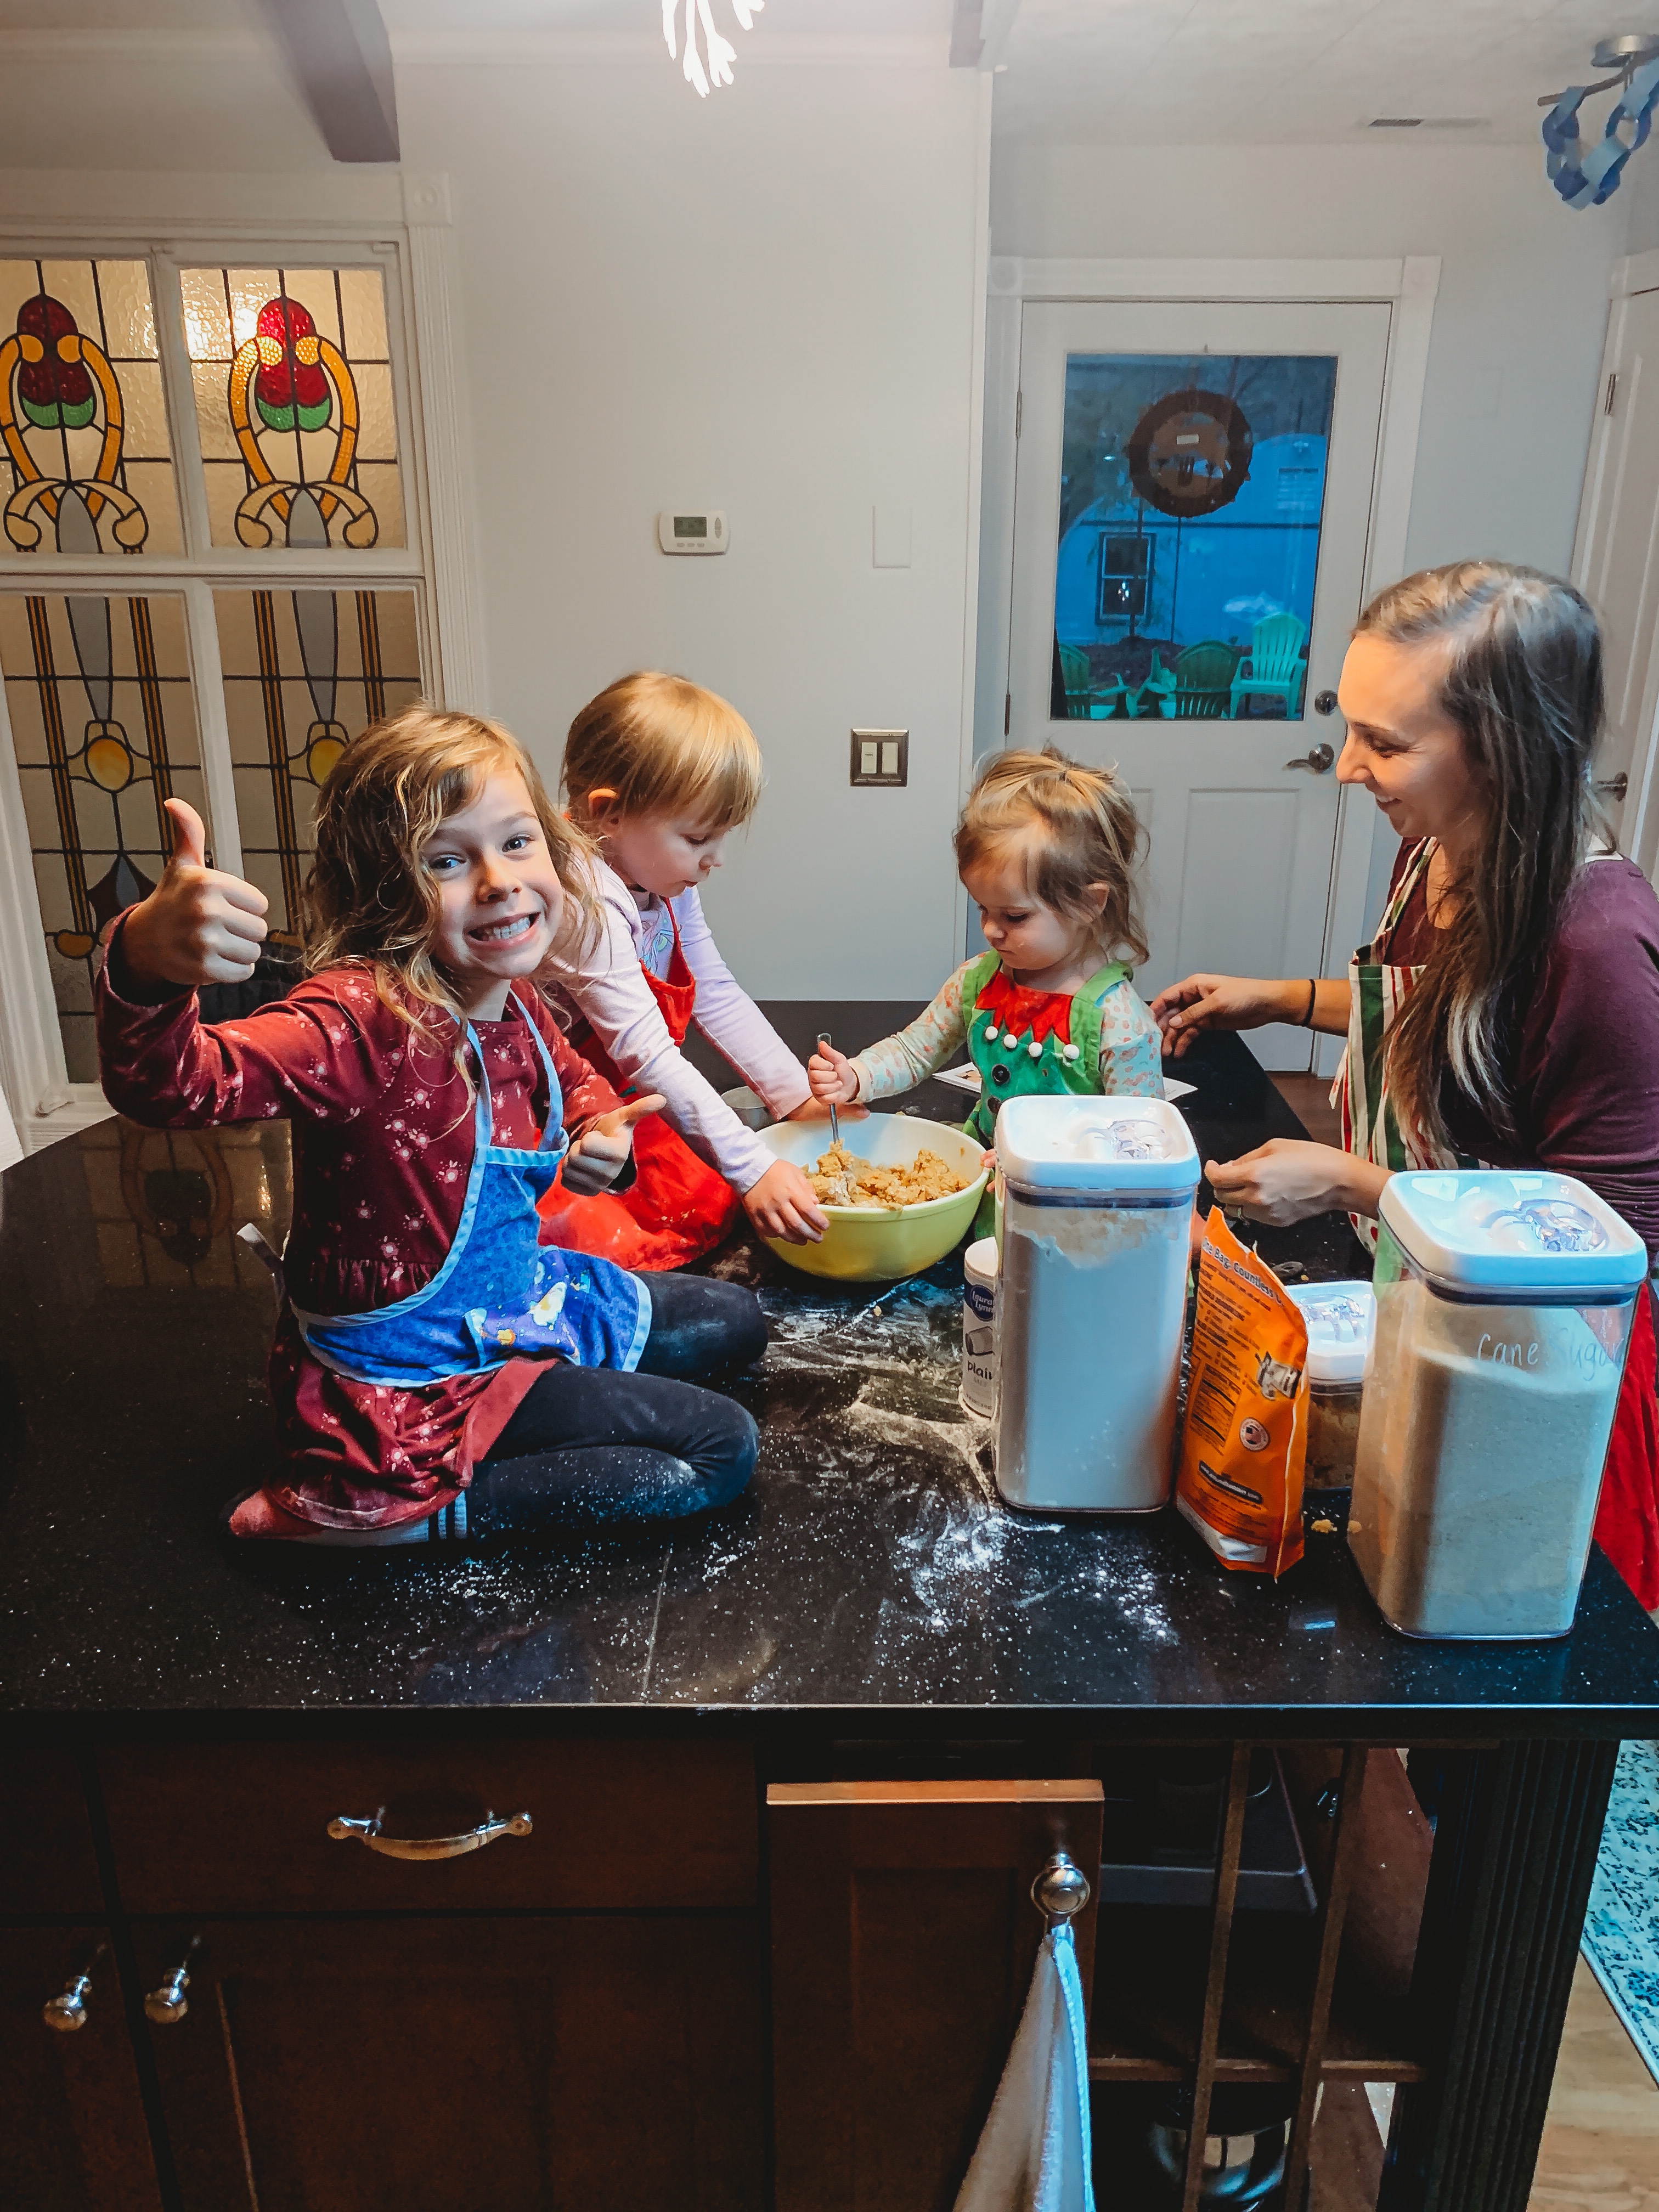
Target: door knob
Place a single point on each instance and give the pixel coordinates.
(68, 2010)
(167, 2005)
(1060, 1889)
(1320, 759)
(1615, 788)
(1325, 704)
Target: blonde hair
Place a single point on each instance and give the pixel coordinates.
(1079, 828)
(368, 896)
(660, 744)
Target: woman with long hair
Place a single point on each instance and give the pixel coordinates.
(1506, 1012)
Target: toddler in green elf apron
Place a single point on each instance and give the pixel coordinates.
(1046, 848)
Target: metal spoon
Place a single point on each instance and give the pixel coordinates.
(835, 1118)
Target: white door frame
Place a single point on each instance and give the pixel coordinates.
(1407, 287)
(1632, 273)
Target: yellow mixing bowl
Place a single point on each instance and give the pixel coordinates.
(861, 1245)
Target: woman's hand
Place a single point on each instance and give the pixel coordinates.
(832, 1076)
(784, 1204)
(199, 924)
(1288, 1178)
(1223, 1002)
(598, 1156)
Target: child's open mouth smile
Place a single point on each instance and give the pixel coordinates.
(500, 933)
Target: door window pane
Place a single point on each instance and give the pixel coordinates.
(294, 406)
(304, 672)
(85, 463)
(1192, 495)
(103, 722)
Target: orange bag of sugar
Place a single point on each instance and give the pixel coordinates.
(1244, 1441)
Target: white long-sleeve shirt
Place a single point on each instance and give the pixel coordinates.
(604, 985)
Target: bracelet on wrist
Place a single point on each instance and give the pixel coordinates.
(1313, 996)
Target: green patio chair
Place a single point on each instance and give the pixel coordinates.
(1275, 664)
(1198, 687)
(1109, 698)
(1076, 675)
(1149, 697)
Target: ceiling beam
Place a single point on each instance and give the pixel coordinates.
(341, 62)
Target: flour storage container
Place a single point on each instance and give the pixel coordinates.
(1340, 1318)
(1504, 1309)
(1097, 1200)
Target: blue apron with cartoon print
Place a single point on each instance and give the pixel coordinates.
(500, 1293)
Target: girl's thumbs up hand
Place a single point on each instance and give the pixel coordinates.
(600, 1153)
(199, 924)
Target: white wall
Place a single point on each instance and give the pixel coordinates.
(763, 301)
(1518, 324)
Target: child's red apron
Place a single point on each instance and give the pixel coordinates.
(677, 1208)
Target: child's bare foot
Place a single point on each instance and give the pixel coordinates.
(257, 1516)
(258, 1519)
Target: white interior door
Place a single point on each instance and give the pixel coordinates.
(1193, 499)
(1616, 563)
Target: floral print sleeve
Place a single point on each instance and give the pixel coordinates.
(899, 1063)
(1131, 1047)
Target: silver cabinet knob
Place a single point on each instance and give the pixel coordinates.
(1061, 1889)
(1325, 704)
(68, 2010)
(1320, 759)
(345, 1825)
(167, 2005)
(1615, 788)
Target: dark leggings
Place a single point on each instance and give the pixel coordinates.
(589, 1444)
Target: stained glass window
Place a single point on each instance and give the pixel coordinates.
(1192, 496)
(304, 672)
(103, 724)
(295, 407)
(86, 465)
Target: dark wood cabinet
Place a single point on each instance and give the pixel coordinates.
(903, 1938)
(72, 2126)
(506, 2065)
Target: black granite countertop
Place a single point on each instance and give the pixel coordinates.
(871, 1573)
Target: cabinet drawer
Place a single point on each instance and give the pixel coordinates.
(231, 1828)
(47, 1860)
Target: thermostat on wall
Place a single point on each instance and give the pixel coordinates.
(697, 532)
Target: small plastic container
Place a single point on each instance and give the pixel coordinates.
(1097, 1202)
(1503, 1310)
(979, 1308)
(1340, 1317)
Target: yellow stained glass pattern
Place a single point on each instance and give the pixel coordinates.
(103, 722)
(85, 464)
(295, 407)
(304, 672)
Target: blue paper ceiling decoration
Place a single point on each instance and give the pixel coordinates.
(1586, 180)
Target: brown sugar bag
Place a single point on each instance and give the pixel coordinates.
(1245, 1439)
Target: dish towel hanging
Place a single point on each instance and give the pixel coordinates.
(1033, 2154)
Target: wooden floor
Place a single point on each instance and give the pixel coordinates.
(1600, 2149)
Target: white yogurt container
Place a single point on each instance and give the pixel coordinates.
(979, 1307)
(1097, 1203)
(1503, 1310)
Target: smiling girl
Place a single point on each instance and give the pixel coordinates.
(1046, 849)
(658, 773)
(437, 1372)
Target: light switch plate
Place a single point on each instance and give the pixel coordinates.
(882, 758)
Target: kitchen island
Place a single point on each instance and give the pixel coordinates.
(789, 1774)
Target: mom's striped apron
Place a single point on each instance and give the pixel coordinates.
(1376, 992)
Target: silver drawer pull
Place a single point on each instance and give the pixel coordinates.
(1060, 1890)
(167, 2006)
(342, 1828)
(68, 2010)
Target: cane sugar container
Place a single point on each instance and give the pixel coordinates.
(1340, 1318)
(979, 1351)
(1504, 1309)
(1097, 1202)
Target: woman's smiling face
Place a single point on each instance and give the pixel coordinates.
(499, 897)
(1401, 745)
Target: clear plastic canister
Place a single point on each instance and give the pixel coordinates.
(1340, 1318)
(1097, 1199)
(1503, 1310)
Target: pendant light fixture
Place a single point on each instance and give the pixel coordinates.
(719, 51)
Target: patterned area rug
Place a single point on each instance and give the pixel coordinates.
(1621, 1930)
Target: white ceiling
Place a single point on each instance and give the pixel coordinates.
(1136, 71)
